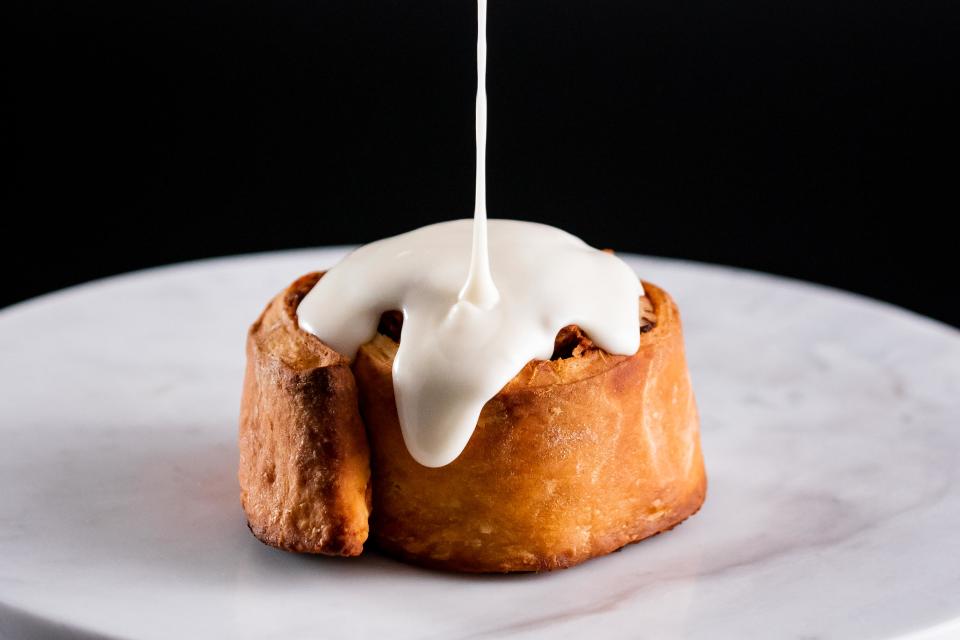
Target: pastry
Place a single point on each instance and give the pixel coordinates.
(575, 457)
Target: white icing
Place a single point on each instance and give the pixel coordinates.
(479, 287)
(455, 355)
(469, 327)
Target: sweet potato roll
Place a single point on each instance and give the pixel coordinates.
(575, 457)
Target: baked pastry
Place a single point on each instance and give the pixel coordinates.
(575, 457)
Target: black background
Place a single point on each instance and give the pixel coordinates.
(813, 138)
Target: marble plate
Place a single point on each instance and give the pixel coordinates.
(831, 429)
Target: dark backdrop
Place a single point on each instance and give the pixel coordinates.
(813, 138)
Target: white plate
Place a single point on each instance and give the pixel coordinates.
(831, 429)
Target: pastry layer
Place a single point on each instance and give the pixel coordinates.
(304, 460)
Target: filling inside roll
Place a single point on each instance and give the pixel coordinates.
(571, 341)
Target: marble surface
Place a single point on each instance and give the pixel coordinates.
(831, 429)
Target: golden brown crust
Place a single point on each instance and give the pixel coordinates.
(304, 459)
(574, 458)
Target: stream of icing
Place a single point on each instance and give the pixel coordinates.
(469, 327)
(480, 288)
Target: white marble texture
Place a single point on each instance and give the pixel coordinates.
(831, 428)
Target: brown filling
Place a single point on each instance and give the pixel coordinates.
(571, 342)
